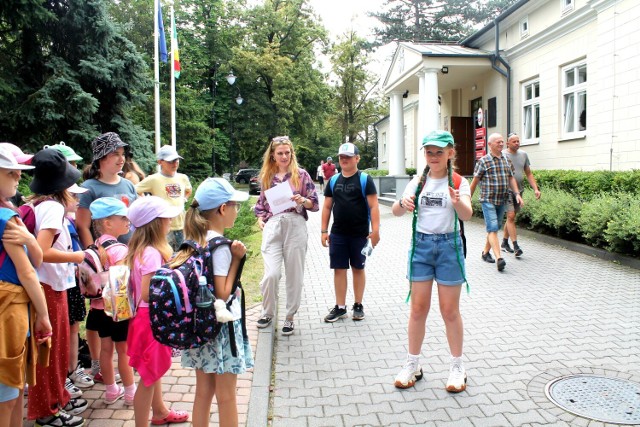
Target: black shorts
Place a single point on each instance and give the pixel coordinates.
(320, 180)
(97, 320)
(345, 251)
(76, 303)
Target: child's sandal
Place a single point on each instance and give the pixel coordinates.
(172, 417)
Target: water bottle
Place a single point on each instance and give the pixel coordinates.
(367, 249)
(204, 298)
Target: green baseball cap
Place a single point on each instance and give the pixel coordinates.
(67, 151)
(439, 138)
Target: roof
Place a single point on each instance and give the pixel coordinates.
(445, 50)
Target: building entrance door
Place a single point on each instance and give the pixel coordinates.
(463, 135)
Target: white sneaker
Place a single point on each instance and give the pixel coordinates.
(72, 389)
(408, 375)
(80, 378)
(457, 381)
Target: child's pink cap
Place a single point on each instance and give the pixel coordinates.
(145, 209)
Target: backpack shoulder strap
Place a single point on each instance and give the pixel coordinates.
(457, 180)
(332, 181)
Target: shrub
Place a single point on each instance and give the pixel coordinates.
(556, 213)
(596, 215)
(622, 231)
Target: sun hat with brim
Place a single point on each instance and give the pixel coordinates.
(53, 172)
(214, 192)
(105, 144)
(76, 189)
(8, 161)
(105, 207)
(439, 138)
(67, 151)
(168, 153)
(16, 152)
(145, 209)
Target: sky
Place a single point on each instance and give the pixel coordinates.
(338, 16)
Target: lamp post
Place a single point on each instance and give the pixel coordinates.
(231, 79)
(239, 101)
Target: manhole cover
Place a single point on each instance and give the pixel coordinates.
(609, 400)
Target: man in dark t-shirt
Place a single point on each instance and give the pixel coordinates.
(353, 211)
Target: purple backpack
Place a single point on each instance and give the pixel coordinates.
(176, 320)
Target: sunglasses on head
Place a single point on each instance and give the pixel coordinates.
(280, 140)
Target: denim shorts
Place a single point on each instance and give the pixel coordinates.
(493, 216)
(439, 257)
(345, 251)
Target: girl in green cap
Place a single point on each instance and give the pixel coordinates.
(436, 198)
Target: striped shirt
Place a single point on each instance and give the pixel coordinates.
(494, 174)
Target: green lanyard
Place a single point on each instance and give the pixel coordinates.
(414, 222)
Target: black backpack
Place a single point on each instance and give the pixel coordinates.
(176, 320)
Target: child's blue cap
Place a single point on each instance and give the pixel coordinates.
(214, 192)
(106, 206)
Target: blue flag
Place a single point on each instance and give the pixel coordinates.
(162, 40)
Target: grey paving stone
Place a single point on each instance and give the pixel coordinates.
(553, 311)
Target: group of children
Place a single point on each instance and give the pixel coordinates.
(37, 274)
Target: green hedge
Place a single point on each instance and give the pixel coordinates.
(599, 208)
(385, 172)
(589, 184)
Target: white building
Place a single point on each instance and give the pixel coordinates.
(563, 74)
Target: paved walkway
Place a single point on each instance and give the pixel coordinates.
(553, 312)
(179, 386)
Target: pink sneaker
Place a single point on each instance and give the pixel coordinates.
(111, 398)
(128, 399)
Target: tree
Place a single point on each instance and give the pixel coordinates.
(424, 21)
(54, 87)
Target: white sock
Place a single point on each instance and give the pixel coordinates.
(342, 307)
(413, 358)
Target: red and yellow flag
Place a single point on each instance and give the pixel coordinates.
(175, 53)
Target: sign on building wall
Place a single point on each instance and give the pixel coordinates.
(481, 134)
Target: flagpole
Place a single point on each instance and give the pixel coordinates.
(156, 73)
(173, 81)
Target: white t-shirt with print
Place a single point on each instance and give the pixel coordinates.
(221, 263)
(60, 276)
(435, 211)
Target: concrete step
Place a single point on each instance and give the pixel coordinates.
(389, 194)
(387, 201)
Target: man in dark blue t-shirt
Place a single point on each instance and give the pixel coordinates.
(353, 211)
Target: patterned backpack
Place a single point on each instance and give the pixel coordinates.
(176, 320)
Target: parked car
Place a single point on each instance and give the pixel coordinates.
(244, 175)
(254, 185)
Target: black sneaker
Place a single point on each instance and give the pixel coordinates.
(264, 321)
(488, 258)
(61, 419)
(76, 406)
(518, 251)
(287, 328)
(501, 264)
(506, 247)
(358, 311)
(335, 314)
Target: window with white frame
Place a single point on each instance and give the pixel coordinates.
(530, 112)
(384, 145)
(524, 27)
(567, 5)
(574, 100)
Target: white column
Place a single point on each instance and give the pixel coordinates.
(427, 109)
(396, 140)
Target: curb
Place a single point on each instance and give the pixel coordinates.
(261, 383)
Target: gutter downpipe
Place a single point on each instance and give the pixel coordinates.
(506, 74)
